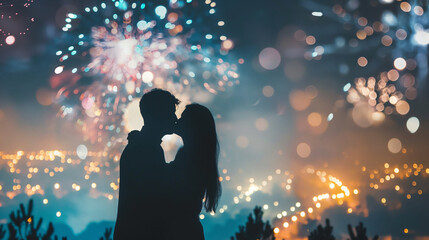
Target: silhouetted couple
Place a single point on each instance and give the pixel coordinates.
(159, 200)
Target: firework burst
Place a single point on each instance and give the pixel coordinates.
(119, 50)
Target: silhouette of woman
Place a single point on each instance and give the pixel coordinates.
(194, 173)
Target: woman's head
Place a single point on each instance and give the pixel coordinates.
(196, 125)
(198, 131)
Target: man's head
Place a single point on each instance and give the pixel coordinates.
(158, 109)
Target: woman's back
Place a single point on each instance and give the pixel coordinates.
(187, 196)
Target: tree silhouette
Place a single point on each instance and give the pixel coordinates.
(23, 225)
(255, 228)
(322, 233)
(360, 233)
(107, 234)
(2, 232)
(325, 233)
(56, 238)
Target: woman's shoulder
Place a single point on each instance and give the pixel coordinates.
(184, 157)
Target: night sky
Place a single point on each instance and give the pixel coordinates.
(328, 117)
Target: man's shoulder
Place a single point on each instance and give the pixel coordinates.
(137, 141)
(135, 136)
(140, 138)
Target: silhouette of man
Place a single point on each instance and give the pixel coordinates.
(143, 180)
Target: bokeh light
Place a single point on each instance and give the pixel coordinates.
(362, 115)
(299, 100)
(394, 145)
(402, 107)
(314, 119)
(400, 63)
(10, 40)
(269, 58)
(261, 124)
(362, 61)
(82, 151)
(413, 124)
(303, 150)
(45, 96)
(242, 141)
(268, 91)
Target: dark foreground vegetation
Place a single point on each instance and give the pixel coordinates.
(23, 225)
(256, 229)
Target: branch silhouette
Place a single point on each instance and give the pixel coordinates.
(322, 233)
(23, 225)
(107, 234)
(360, 232)
(255, 228)
(2, 231)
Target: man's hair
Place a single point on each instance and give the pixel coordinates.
(155, 102)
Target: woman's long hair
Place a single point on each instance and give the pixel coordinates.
(204, 134)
